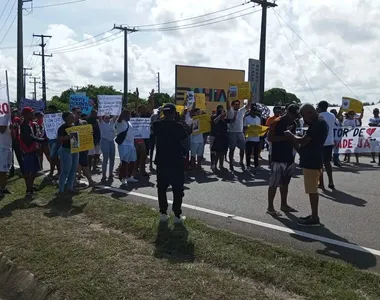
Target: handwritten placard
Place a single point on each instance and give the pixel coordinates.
(37, 105)
(109, 105)
(141, 127)
(51, 123)
(5, 112)
(81, 101)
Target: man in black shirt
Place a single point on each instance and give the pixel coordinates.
(311, 158)
(170, 161)
(282, 158)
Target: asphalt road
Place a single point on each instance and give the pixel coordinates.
(349, 215)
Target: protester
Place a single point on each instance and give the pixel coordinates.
(69, 161)
(375, 122)
(169, 160)
(94, 154)
(252, 143)
(5, 158)
(282, 158)
(196, 143)
(15, 132)
(311, 158)
(328, 145)
(107, 145)
(337, 124)
(351, 121)
(142, 145)
(29, 146)
(53, 145)
(127, 150)
(235, 130)
(43, 147)
(152, 140)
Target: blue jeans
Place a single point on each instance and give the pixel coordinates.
(69, 165)
(108, 150)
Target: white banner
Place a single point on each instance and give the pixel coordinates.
(357, 139)
(109, 105)
(51, 123)
(141, 127)
(5, 110)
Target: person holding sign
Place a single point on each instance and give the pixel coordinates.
(375, 122)
(351, 121)
(253, 142)
(69, 161)
(197, 146)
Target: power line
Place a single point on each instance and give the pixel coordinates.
(331, 70)
(295, 56)
(191, 18)
(5, 7)
(9, 28)
(6, 20)
(79, 42)
(202, 23)
(58, 4)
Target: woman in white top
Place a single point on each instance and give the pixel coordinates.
(351, 121)
(107, 144)
(126, 146)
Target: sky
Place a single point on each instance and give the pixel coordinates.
(316, 49)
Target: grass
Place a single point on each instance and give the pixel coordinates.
(95, 247)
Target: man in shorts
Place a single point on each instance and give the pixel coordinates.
(282, 158)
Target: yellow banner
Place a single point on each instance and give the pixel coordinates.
(201, 124)
(81, 138)
(256, 131)
(200, 101)
(240, 91)
(349, 104)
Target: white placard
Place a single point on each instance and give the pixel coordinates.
(190, 99)
(5, 110)
(51, 123)
(141, 127)
(109, 105)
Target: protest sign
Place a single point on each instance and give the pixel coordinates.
(109, 105)
(141, 127)
(201, 124)
(349, 104)
(37, 105)
(5, 112)
(51, 123)
(180, 109)
(200, 101)
(81, 138)
(240, 91)
(357, 139)
(81, 101)
(190, 99)
(256, 130)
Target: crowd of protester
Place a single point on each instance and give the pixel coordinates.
(179, 148)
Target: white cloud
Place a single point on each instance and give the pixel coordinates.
(344, 36)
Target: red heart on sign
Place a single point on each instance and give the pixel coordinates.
(370, 131)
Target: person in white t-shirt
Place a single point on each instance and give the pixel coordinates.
(252, 143)
(5, 158)
(126, 147)
(351, 121)
(328, 145)
(375, 122)
(235, 129)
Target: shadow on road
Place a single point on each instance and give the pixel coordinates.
(342, 197)
(362, 260)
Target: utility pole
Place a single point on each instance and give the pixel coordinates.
(126, 30)
(34, 93)
(25, 74)
(264, 4)
(43, 55)
(20, 50)
(158, 83)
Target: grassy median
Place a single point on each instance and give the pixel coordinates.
(92, 246)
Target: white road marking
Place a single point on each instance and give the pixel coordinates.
(250, 221)
(254, 222)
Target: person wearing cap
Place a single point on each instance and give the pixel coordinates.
(29, 144)
(5, 154)
(311, 158)
(170, 162)
(282, 159)
(352, 121)
(328, 145)
(375, 122)
(235, 129)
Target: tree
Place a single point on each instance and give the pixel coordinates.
(161, 98)
(277, 96)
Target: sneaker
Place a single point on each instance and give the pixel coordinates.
(242, 166)
(124, 181)
(164, 218)
(309, 222)
(178, 220)
(104, 179)
(6, 191)
(132, 180)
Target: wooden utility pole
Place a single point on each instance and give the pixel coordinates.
(34, 93)
(126, 31)
(24, 75)
(264, 4)
(43, 55)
